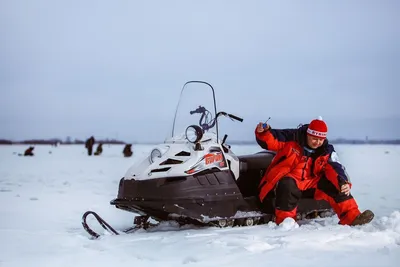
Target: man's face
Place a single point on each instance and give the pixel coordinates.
(314, 142)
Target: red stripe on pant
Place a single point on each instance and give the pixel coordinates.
(346, 210)
(280, 215)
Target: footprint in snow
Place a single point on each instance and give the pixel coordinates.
(260, 247)
(189, 260)
(5, 190)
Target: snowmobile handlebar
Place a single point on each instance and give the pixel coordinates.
(206, 122)
(200, 109)
(235, 117)
(222, 113)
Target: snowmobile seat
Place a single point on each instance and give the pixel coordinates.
(252, 168)
(260, 160)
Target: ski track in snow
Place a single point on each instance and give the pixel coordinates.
(44, 197)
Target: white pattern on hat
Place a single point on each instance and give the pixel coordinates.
(316, 133)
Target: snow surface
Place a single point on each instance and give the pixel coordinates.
(43, 198)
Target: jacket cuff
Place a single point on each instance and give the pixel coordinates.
(264, 132)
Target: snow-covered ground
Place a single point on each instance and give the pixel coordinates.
(43, 198)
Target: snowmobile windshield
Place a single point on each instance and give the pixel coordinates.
(196, 106)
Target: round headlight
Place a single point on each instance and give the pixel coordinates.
(194, 133)
(155, 153)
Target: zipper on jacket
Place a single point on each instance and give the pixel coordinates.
(305, 165)
(309, 153)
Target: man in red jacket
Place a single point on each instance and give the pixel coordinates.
(306, 162)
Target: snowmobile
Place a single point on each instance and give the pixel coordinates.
(195, 178)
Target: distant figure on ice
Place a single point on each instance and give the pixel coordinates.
(306, 161)
(99, 150)
(29, 151)
(89, 145)
(127, 150)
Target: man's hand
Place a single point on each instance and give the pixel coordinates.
(345, 189)
(260, 127)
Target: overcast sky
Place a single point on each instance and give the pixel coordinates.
(115, 68)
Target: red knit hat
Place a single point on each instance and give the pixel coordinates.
(318, 128)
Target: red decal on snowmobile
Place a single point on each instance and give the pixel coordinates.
(211, 158)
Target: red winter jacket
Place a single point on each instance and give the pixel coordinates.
(294, 159)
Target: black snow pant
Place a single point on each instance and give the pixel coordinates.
(288, 194)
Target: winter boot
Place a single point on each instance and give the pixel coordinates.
(363, 218)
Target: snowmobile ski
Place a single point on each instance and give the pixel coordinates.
(140, 222)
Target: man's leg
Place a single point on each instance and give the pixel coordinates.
(287, 197)
(345, 206)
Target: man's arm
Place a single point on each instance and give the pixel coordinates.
(274, 139)
(334, 167)
(343, 177)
